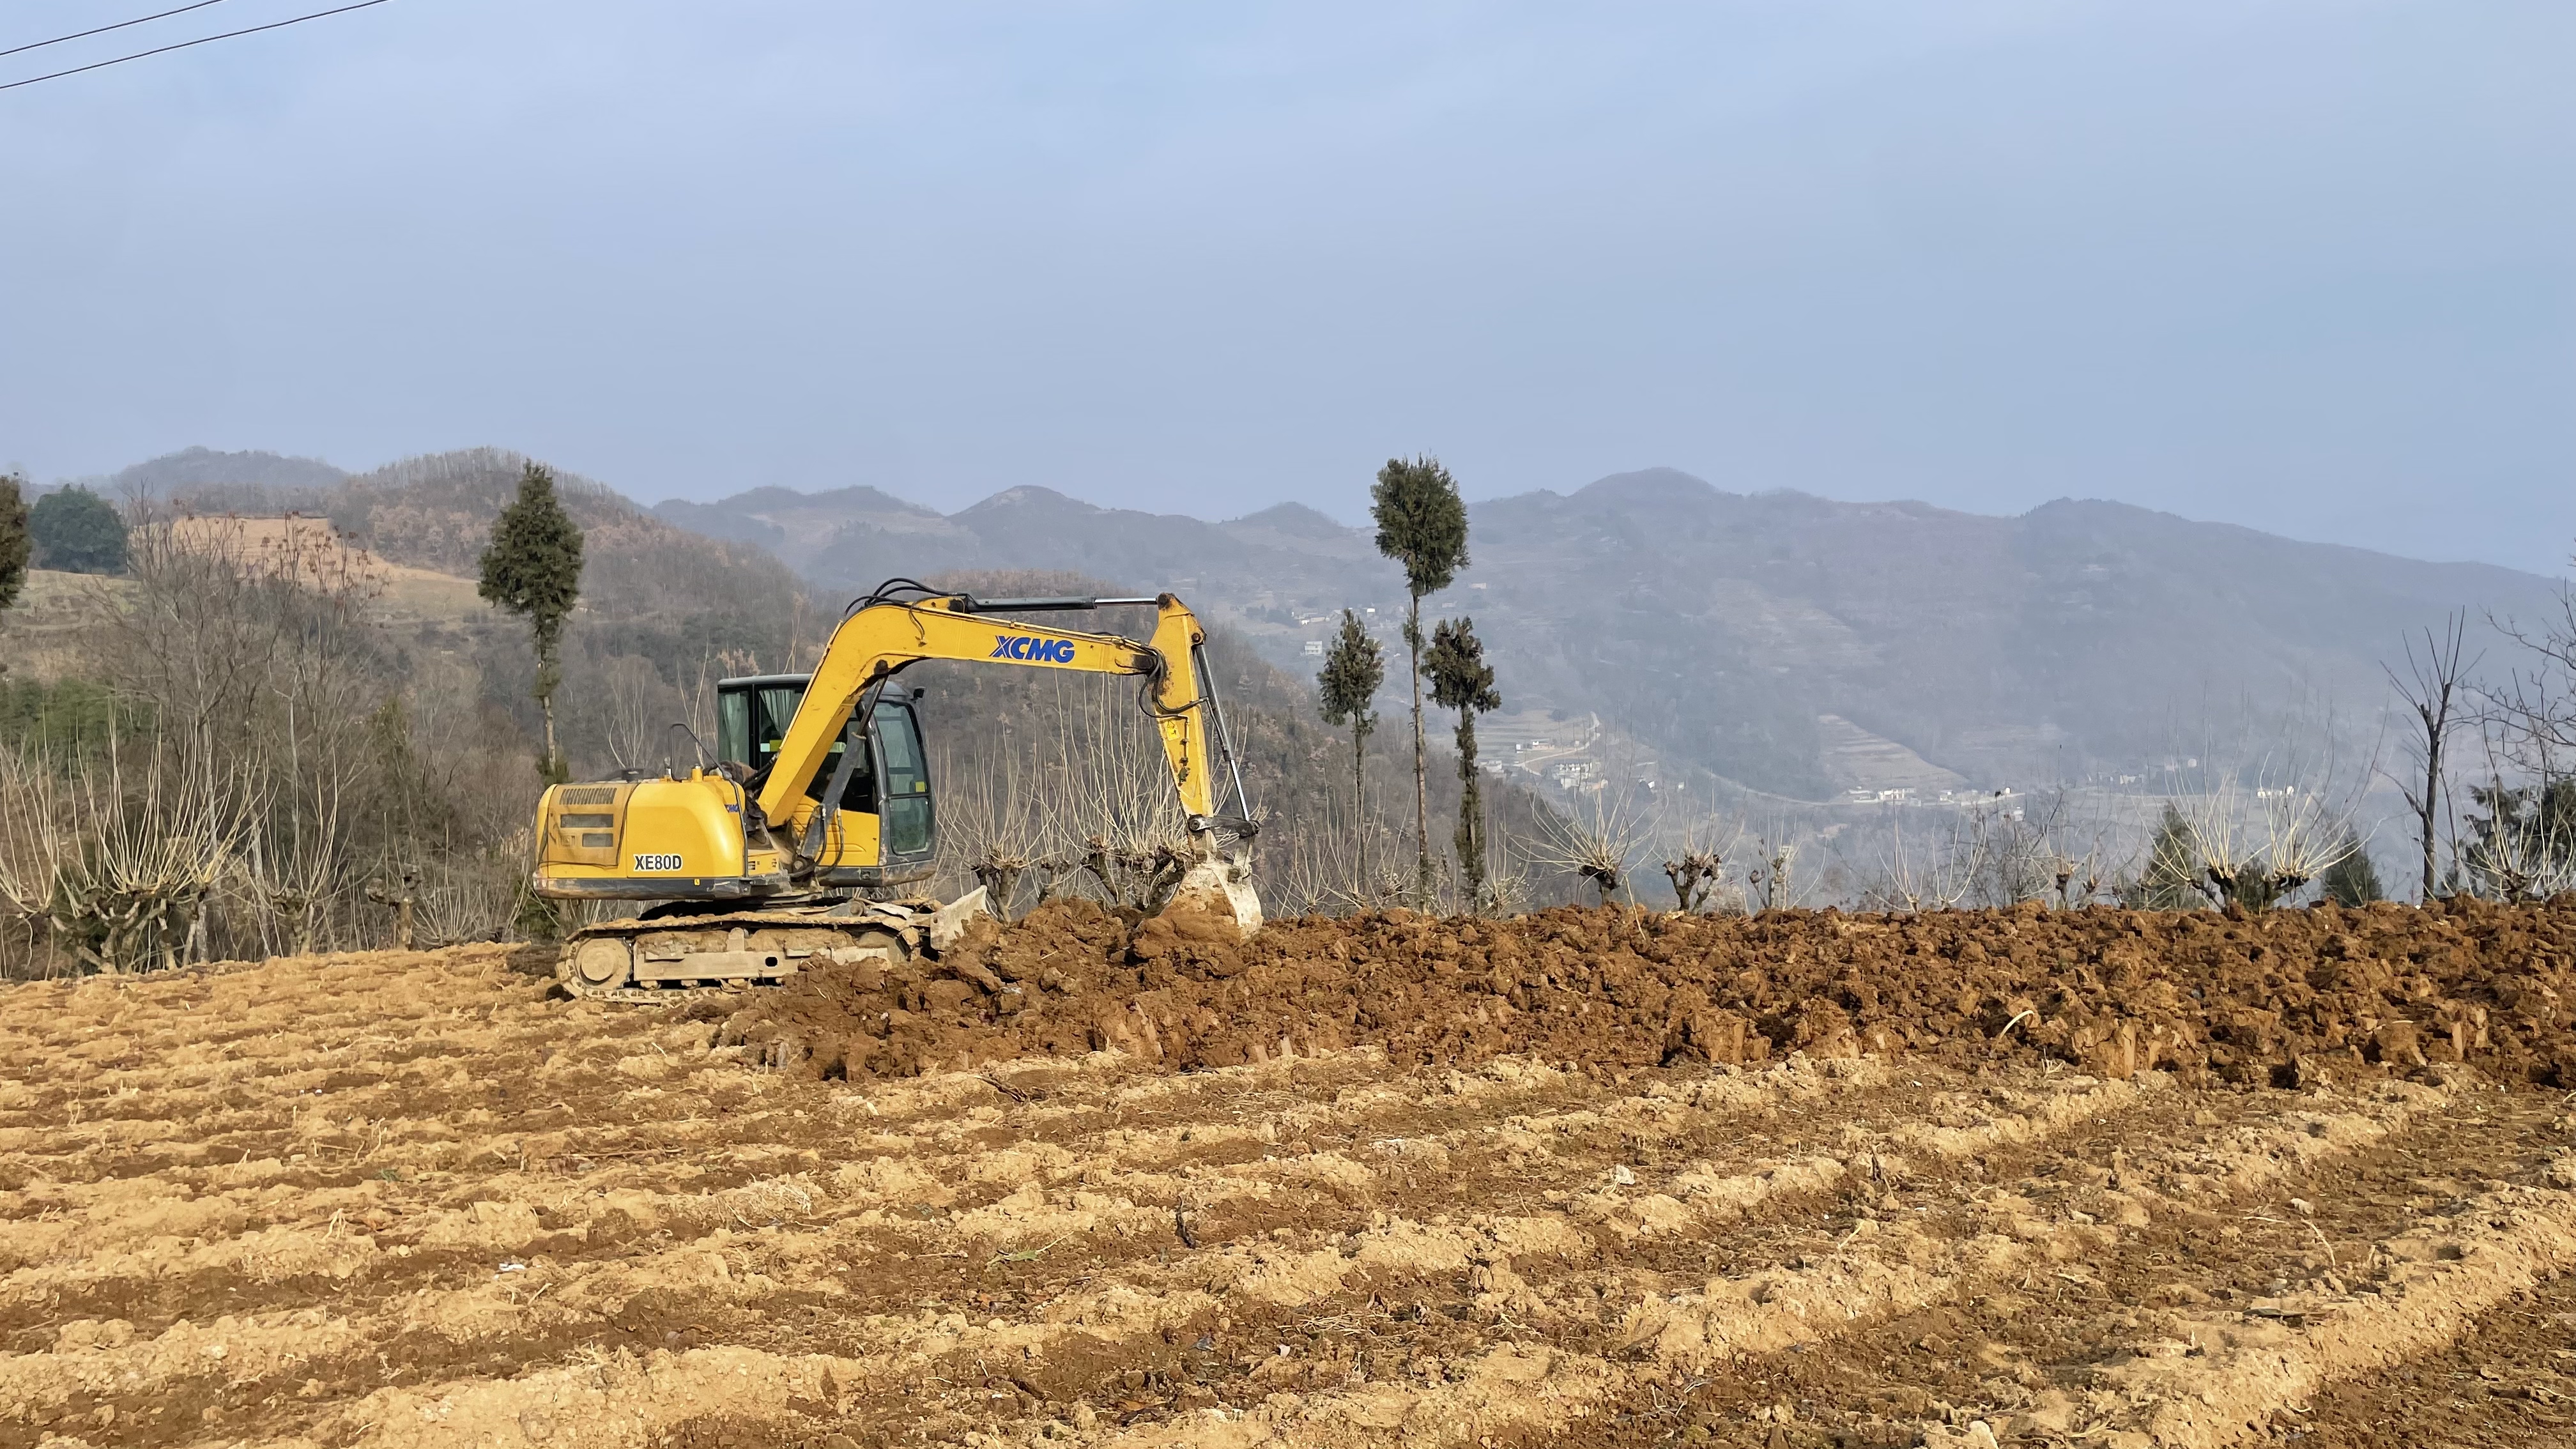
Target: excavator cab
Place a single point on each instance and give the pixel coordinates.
(885, 791)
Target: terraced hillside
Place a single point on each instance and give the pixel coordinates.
(420, 1200)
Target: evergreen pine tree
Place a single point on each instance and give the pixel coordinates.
(2170, 880)
(1347, 694)
(1463, 681)
(78, 532)
(2352, 880)
(532, 568)
(14, 543)
(1422, 525)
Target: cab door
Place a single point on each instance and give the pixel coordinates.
(908, 826)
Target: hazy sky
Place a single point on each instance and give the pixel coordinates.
(2305, 266)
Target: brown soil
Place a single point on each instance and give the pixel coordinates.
(1580, 1179)
(2279, 998)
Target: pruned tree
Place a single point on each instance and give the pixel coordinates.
(398, 890)
(120, 871)
(2433, 688)
(2260, 854)
(1697, 871)
(1422, 525)
(462, 900)
(1593, 839)
(1773, 880)
(15, 546)
(532, 568)
(2518, 841)
(78, 532)
(988, 819)
(2519, 837)
(2038, 847)
(1346, 694)
(1463, 681)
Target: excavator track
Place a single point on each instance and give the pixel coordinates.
(658, 959)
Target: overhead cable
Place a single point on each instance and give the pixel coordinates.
(184, 44)
(103, 29)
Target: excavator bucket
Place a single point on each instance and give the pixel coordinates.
(1221, 888)
(953, 918)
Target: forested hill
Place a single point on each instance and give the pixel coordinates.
(1792, 643)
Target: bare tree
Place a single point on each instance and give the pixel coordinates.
(1696, 876)
(638, 711)
(2434, 688)
(1934, 880)
(1083, 801)
(468, 899)
(399, 891)
(1773, 882)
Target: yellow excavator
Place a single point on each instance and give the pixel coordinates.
(790, 843)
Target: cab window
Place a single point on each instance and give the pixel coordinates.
(751, 722)
(905, 818)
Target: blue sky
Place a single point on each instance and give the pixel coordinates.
(2309, 267)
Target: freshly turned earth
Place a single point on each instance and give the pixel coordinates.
(1587, 1177)
(2277, 997)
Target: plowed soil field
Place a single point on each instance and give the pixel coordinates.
(2077, 1178)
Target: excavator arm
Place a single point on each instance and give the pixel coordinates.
(882, 636)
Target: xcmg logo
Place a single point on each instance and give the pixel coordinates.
(1036, 651)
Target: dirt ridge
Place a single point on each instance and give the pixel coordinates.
(2284, 997)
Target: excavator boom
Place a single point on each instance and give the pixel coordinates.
(880, 638)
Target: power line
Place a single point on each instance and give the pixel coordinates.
(183, 45)
(102, 30)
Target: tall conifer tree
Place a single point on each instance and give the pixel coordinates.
(532, 568)
(1463, 681)
(1422, 525)
(2352, 880)
(1347, 693)
(14, 546)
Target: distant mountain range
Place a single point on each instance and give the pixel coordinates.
(1788, 643)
